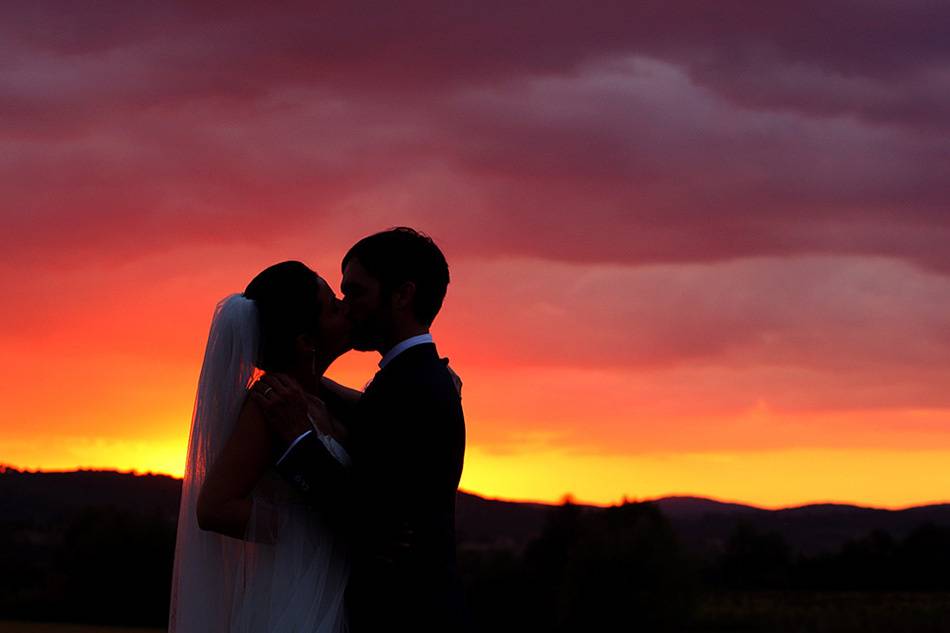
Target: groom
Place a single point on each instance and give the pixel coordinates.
(396, 503)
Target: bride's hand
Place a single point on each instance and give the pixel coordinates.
(323, 420)
(284, 405)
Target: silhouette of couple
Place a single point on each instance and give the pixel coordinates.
(307, 505)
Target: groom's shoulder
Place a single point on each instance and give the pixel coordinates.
(415, 361)
(423, 374)
(428, 376)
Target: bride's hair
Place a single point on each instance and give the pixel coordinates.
(286, 296)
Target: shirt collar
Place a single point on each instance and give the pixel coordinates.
(399, 348)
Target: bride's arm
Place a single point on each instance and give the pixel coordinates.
(224, 503)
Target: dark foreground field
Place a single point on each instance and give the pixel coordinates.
(96, 548)
(40, 627)
(748, 612)
(826, 612)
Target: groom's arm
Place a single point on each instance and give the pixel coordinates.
(315, 472)
(340, 399)
(303, 454)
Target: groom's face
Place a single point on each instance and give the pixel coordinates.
(362, 297)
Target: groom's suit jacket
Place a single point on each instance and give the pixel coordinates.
(396, 504)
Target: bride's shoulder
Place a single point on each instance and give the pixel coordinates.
(251, 410)
(251, 427)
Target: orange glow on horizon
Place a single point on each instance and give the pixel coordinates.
(550, 478)
(118, 381)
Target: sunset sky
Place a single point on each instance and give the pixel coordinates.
(696, 247)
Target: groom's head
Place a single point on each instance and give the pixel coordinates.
(393, 284)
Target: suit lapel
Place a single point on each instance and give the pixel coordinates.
(372, 404)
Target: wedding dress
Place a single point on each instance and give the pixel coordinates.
(288, 574)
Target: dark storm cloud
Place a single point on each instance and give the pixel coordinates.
(590, 132)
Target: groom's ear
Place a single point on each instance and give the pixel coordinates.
(404, 295)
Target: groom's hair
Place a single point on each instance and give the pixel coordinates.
(403, 254)
(286, 298)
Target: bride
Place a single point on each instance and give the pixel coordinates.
(250, 554)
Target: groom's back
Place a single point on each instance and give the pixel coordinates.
(408, 446)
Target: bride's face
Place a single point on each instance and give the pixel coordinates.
(334, 326)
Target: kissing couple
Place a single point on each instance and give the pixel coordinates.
(308, 506)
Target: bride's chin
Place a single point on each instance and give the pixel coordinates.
(362, 348)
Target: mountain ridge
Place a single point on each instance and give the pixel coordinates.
(703, 525)
(671, 502)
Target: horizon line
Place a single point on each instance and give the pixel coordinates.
(565, 498)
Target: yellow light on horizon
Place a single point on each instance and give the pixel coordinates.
(770, 479)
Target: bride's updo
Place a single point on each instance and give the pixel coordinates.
(288, 305)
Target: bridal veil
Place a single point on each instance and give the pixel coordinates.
(288, 574)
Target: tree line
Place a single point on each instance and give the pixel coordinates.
(586, 570)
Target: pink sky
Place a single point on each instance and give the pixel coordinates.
(696, 247)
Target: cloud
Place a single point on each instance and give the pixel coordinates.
(806, 334)
(190, 50)
(616, 133)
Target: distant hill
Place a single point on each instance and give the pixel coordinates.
(703, 525)
(97, 547)
(46, 497)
